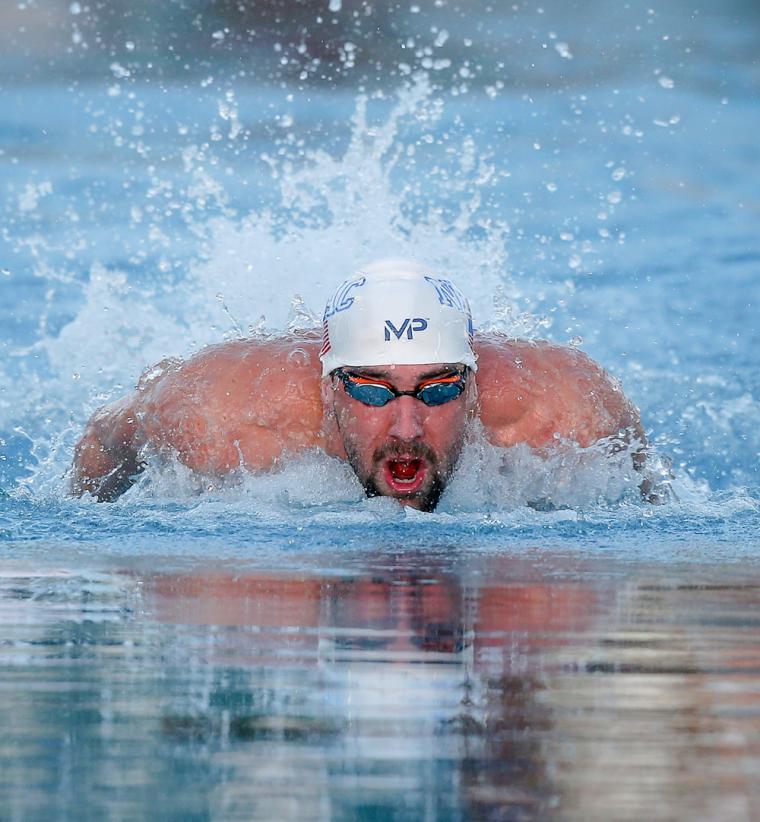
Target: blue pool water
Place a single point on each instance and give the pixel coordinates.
(282, 647)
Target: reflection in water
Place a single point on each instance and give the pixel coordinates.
(410, 687)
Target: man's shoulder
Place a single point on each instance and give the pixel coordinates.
(231, 360)
(246, 400)
(532, 390)
(538, 358)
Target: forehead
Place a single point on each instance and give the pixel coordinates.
(405, 373)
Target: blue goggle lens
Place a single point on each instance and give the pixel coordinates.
(377, 395)
(438, 393)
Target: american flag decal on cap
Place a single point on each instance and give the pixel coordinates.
(325, 338)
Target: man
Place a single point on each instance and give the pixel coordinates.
(401, 375)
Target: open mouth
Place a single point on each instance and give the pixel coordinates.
(404, 475)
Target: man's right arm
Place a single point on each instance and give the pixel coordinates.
(105, 458)
(239, 404)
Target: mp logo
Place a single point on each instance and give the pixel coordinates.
(410, 326)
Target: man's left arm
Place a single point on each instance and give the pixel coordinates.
(535, 392)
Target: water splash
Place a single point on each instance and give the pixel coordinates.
(270, 269)
(267, 270)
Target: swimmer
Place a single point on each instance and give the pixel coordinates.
(402, 373)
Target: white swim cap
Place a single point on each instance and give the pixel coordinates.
(396, 312)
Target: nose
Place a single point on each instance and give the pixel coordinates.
(406, 423)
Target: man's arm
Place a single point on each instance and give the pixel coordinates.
(534, 392)
(105, 458)
(238, 404)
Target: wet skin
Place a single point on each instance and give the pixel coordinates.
(246, 403)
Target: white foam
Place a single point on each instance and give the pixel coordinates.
(487, 479)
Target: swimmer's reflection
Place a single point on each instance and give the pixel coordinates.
(432, 676)
(509, 609)
(400, 613)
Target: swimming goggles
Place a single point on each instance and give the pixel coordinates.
(371, 391)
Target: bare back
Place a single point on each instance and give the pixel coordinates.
(246, 403)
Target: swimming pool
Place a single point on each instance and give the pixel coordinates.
(282, 647)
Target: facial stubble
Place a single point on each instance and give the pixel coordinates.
(428, 498)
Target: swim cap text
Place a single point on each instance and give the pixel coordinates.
(409, 326)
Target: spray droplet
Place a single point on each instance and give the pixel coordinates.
(441, 38)
(665, 82)
(336, 5)
(299, 357)
(119, 71)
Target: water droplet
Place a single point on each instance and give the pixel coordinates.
(665, 82)
(119, 71)
(441, 38)
(335, 5)
(299, 357)
(563, 50)
(75, 8)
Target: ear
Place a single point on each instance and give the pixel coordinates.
(327, 390)
(471, 397)
(332, 441)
